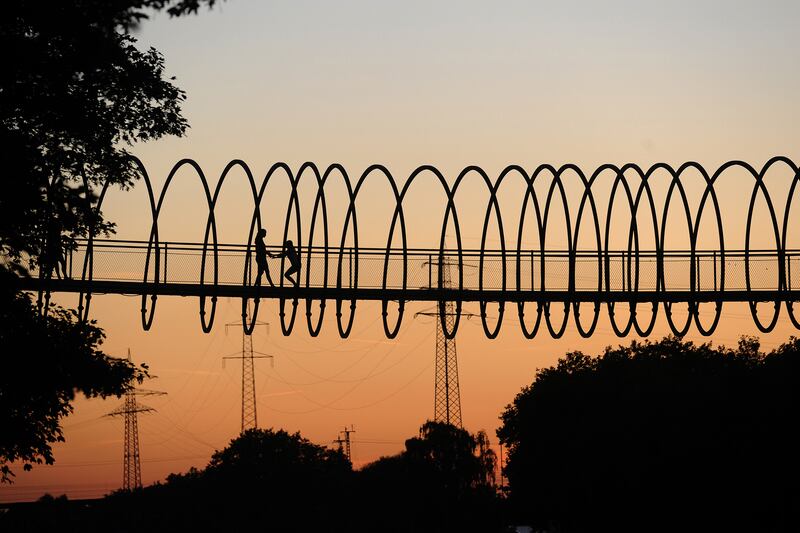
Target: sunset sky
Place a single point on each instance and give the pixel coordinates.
(405, 84)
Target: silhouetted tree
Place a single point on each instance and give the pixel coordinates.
(451, 458)
(271, 480)
(443, 481)
(268, 479)
(281, 465)
(45, 364)
(658, 436)
(75, 92)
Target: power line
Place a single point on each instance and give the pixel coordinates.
(330, 405)
(113, 462)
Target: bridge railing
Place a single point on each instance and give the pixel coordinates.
(365, 268)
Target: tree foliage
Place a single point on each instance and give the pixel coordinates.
(658, 435)
(451, 458)
(258, 457)
(268, 479)
(75, 93)
(443, 481)
(45, 364)
(272, 480)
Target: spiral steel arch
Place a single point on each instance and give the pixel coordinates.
(637, 199)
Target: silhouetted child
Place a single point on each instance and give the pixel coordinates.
(290, 253)
(261, 257)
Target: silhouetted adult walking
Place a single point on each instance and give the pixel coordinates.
(261, 257)
(290, 253)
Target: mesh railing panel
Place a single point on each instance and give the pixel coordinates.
(366, 269)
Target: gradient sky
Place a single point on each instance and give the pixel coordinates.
(404, 84)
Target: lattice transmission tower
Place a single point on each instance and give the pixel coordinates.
(447, 394)
(248, 356)
(130, 408)
(346, 441)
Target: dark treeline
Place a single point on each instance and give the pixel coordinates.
(667, 436)
(275, 481)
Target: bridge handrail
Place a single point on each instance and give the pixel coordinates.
(467, 252)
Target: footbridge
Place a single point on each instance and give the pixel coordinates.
(629, 242)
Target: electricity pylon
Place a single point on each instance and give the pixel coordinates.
(249, 412)
(447, 395)
(346, 441)
(132, 466)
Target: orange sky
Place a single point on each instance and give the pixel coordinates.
(449, 84)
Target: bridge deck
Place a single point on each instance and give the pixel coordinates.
(424, 294)
(133, 267)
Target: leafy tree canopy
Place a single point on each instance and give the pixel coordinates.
(260, 456)
(264, 478)
(664, 435)
(444, 481)
(45, 364)
(278, 481)
(453, 458)
(75, 94)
